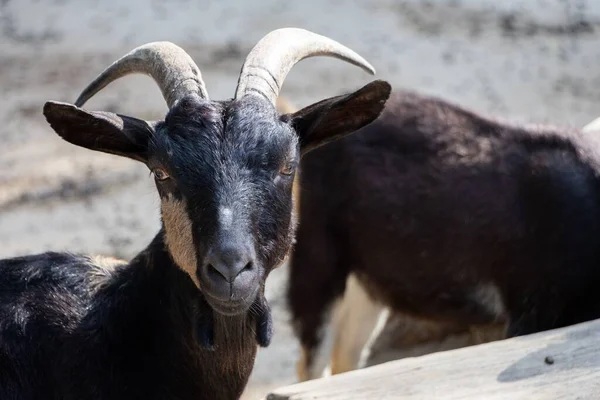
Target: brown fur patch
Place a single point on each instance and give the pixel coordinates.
(408, 336)
(178, 236)
(412, 331)
(105, 263)
(283, 106)
(296, 196)
(302, 365)
(102, 269)
(487, 333)
(355, 321)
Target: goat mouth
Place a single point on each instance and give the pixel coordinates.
(232, 308)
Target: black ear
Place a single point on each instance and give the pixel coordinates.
(339, 116)
(99, 130)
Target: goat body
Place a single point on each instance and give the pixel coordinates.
(447, 216)
(73, 328)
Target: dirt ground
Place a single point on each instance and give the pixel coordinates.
(535, 60)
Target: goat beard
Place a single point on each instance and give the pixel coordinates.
(259, 311)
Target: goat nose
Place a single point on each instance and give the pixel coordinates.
(228, 263)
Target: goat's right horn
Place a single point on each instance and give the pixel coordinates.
(169, 65)
(269, 62)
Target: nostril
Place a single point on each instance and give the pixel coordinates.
(248, 267)
(228, 264)
(214, 272)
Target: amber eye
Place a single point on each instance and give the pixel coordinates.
(287, 169)
(160, 174)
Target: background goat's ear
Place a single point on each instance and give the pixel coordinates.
(339, 116)
(100, 131)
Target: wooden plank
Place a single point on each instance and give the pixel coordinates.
(558, 364)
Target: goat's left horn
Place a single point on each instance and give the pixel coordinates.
(269, 62)
(169, 65)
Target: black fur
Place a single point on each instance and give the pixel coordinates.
(149, 329)
(431, 201)
(133, 337)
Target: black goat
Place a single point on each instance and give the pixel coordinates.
(446, 216)
(181, 320)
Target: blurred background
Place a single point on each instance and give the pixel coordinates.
(524, 60)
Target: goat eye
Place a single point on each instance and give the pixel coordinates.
(287, 169)
(160, 174)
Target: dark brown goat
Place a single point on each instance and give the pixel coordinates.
(447, 216)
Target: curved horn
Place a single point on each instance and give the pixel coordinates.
(168, 64)
(269, 62)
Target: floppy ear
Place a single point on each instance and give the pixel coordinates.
(339, 116)
(98, 130)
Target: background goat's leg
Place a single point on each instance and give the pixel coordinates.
(354, 326)
(317, 279)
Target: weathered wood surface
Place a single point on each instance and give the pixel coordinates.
(558, 364)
